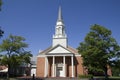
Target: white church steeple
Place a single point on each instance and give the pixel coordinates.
(60, 28)
(60, 37)
(59, 14)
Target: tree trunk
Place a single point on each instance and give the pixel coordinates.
(8, 73)
(105, 71)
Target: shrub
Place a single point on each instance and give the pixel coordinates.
(86, 76)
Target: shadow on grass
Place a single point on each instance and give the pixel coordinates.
(30, 78)
(21, 79)
(118, 78)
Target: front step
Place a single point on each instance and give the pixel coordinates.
(60, 78)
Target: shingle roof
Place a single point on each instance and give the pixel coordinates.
(73, 50)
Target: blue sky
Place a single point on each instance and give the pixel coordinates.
(35, 19)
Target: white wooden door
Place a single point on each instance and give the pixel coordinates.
(33, 71)
(59, 72)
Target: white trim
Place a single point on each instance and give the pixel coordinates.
(59, 55)
(41, 56)
(77, 55)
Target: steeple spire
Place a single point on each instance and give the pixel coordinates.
(60, 29)
(60, 14)
(60, 37)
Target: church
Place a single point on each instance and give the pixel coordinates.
(60, 59)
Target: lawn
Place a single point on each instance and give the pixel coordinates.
(110, 78)
(16, 78)
(9, 79)
(95, 78)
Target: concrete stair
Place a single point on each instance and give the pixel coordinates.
(60, 78)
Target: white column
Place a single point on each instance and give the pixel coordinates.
(72, 62)
(45, 68)
(53, 73)
(64, 70)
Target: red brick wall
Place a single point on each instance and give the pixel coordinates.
(80, 69)
(40, 67)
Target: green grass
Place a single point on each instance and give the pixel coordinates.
(110, 78)
(9, 79)
(98, 77)
(115, 78)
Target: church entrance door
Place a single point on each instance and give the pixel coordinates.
(59, 70)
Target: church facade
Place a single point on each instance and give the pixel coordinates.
(59, 60)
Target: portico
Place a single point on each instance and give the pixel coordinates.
(58, 65)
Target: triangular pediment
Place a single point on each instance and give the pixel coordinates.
(59, 49)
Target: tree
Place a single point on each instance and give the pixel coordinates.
(14, 53)
(1, 31)
(0, 4)
(99, 49)
(116, 68)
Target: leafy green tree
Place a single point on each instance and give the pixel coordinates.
(0, 4)
(116, 71)
(1, 31)
(99, 49)
(116, 68)
(14, 53)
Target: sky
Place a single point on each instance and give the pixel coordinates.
(35, 20)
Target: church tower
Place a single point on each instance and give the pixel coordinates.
(60, 37)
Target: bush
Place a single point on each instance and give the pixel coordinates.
(86, 76)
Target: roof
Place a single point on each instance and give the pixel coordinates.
(4, 70)
(68, 48)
